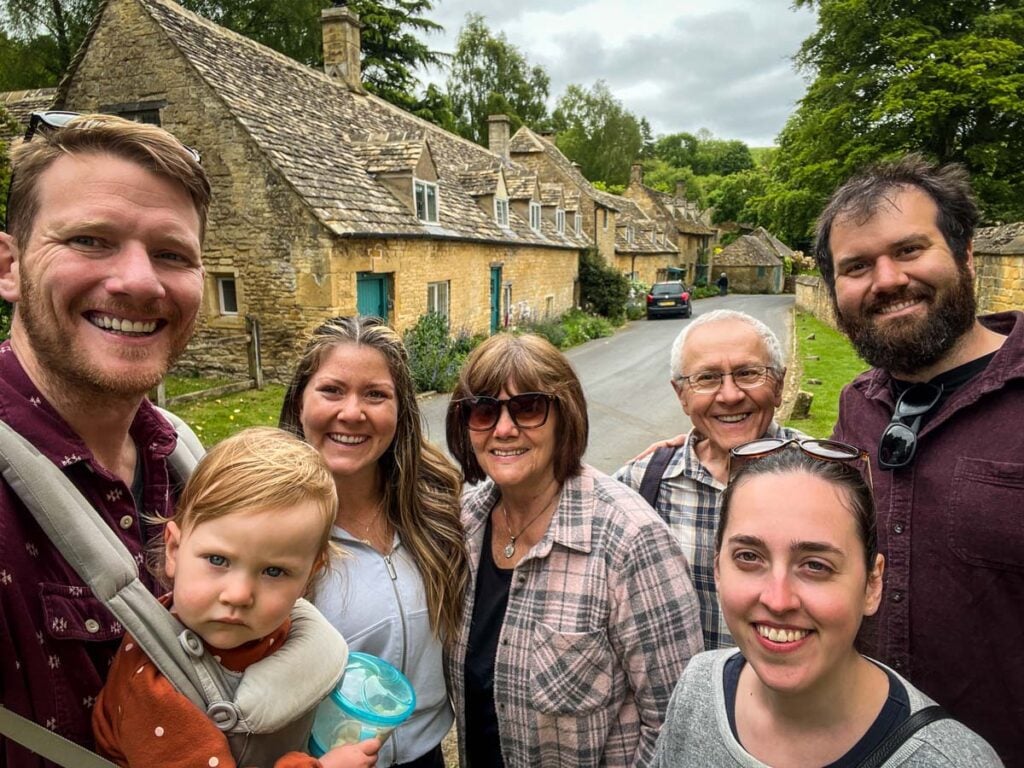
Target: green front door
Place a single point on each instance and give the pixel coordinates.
(495, 299)
(372, 294)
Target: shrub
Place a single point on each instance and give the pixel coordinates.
(581, 327)
(635, 312)
(434, 356)
(552, 330)
(603, 291)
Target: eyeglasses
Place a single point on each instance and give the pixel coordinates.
(527, 410)
(898, 443)
(823, 450)
(55, 121)
(747, 377)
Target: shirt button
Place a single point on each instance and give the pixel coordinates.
(897, 597)
(898, 527)
(127, 522)
(92, 626)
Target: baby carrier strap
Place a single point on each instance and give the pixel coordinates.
(271, 700)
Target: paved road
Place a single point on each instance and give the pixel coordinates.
(626, 381)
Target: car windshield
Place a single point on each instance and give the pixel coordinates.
(665, 289)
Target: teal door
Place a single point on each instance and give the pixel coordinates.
(372, 294)
(495, 299)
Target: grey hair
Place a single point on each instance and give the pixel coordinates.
(776, 359)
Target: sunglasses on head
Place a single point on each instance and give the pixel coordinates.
(823, 450)
(527, 410)
(898, 443)
(55, 120)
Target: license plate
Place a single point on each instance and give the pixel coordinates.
(666, 303)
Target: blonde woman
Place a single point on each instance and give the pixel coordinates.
(397, 594)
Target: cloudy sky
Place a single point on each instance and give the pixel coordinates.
(724, 65)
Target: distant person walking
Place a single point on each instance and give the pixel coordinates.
(723, 285)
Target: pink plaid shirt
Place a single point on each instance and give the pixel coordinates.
(601, 621)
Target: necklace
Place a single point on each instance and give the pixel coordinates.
(510, 549)
(372, 523)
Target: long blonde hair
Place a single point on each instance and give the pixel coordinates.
(420, 485)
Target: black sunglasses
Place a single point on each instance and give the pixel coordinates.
(823, 450)
(55, 121)
(898, 443)
(527, 410)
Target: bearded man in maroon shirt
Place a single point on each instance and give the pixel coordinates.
(102, 261)
(942, 415)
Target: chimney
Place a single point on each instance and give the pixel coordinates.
(498, 129)
(340, 28)
(636, 174)
(681, 189)
(548, 133)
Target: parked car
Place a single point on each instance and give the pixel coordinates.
(668, 299)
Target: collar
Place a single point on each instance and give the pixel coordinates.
(686, 463)
(25, 409)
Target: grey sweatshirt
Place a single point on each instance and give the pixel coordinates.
(696, 729)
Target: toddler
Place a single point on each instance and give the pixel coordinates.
(250, 532)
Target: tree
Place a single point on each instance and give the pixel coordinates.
(664, 176)
(50, 32)
(678, 149)
(942, 78)
(596, 131)
(490, 76)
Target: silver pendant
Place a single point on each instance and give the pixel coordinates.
(510, 549)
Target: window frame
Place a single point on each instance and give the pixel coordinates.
(220, 281)
(430, 194)
(501, 210)
(535, 216)
(560, 221)
(434, 290)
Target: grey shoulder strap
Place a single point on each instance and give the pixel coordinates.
(48, 744)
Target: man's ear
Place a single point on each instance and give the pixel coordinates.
(172, 544)
(780, 385)
(10, 284)
(970, 260)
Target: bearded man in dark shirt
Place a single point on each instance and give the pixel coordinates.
(942, 415)
(102, 261)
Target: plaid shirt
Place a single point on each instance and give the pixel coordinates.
(601, 622)
(689, 501)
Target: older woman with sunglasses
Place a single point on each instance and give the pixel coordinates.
(798, 569)
(580, 615)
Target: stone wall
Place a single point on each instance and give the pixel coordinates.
(1000, 282)
(648, 266)
(812, 297)
(749, 279)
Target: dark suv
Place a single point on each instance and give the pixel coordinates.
(668, 299)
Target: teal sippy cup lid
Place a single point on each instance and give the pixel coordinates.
(373, 691)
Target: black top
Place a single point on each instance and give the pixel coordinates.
(895, 710)
(950, 381)
(483, 748)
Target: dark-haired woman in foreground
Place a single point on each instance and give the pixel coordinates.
(797, 569)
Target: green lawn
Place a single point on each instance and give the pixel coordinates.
(837, 365)
(216, 418)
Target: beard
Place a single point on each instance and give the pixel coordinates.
(68, 365)
(907, 345)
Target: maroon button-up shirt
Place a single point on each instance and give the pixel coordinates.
(57, 640)
(951, 527)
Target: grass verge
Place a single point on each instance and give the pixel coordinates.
(829, 358)
(214, 419)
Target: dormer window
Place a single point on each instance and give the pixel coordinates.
(501, 211)
(425, 194)
(629, 234)
(579, 223)
(535, 217)
(560, 221)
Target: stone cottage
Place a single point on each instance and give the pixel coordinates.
(753, 263)
(999, 264)
(679, 218)
(327, 200)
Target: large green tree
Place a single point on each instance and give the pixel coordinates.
(49, 32)
(596, 131)
(889, 77)
(705, 154)
(490, 76)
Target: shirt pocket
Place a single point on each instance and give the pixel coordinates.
(985, 520)
(572, 671)
(74, 613)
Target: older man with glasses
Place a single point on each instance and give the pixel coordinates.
(102, 261)
(727, 371)
(942, 413)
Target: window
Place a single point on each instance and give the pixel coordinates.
(761, 272)
(139, 111)
(605, 223)
(629, 234)
(227, 296)
(560, 221)
(579, 223)
(549, 307)
(426, 201)
(535, 216)
(501, 211)
(437, 298)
